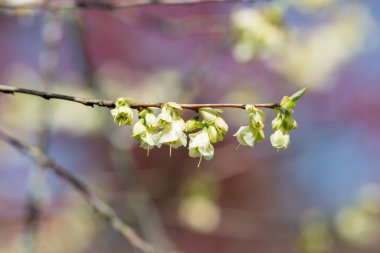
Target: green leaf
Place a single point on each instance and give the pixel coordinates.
(298, 94)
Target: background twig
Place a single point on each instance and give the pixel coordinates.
(95, 202)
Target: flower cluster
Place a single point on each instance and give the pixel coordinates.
(252, 134)
(257, 31)
(172, 125)
(208, 128)
(212, 129)
(283, 121)
(168, 128)
(263, 33)
(145, 130)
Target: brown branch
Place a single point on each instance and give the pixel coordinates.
(70, 5)
(111, 104)
(94, 201)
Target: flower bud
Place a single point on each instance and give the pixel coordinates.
(221, 125)
(193, 124)
(212, 134)
(209, 115)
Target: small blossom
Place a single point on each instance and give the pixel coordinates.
(282, 124)
(248, 136)
(256, 116)
(252, 134)
(173, 134)
(173, 126)
(200, 145)
(123, 101)
(211, 118)
(139, 128)
(122, 113)
(280, 139)
(147, 136)
(168, 112)
(150, 119)
(278, 119)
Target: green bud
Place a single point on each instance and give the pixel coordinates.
(298, 94)
(289, 122)
(209, 115)
(257, 119)
(213, 134)
(287, 103)
(278, 118)
(193, 124)
(221, 125)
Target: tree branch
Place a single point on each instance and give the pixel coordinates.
(94, 201)
(70, 5)
(111, 104)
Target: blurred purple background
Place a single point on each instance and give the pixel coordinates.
(183, 53)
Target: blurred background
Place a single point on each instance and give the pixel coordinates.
(321, 194)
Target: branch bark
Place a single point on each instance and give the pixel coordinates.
(94, 201)
(111, 104)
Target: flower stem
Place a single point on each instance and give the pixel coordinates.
(200, 160)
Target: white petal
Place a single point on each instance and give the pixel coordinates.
(199, 139)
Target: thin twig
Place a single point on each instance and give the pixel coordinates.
(70, 5)
(111, 104)
(94, 201)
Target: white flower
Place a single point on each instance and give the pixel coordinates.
(169, 112)
(248, 136)
(122, 115)
(252, 134)
(139, 128)
(173, 134)
(200, 145)
(149, 140)
(280, 139)
(217, 127)
(147, 136)
(173, 127)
